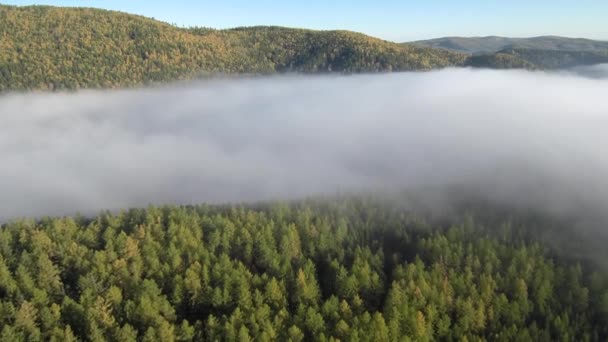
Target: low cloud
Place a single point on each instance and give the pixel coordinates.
(529, 139)
(598, 71)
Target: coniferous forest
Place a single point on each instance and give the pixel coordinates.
(351, 269)
(57, 48)
(54, 48)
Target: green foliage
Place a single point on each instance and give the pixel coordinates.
(493, 44)
(499, 61)
(537, 59)
(69, 48)
(355, 268)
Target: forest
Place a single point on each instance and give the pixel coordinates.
(537, 59)
(54, 48)
(493, 44)
(57, 48)
(350, 268)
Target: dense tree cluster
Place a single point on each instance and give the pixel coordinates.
(68, 48)
(499, 61)
(493, 44)
(518, 58)
(350, 269)
(285, 50)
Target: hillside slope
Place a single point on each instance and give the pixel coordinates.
(56, 48)
(492, 44)
(499, 60)
(537, 59)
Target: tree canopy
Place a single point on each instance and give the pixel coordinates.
(45, 47)
(518, 58)
(350, 269)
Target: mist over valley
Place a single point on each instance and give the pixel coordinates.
(531, 138)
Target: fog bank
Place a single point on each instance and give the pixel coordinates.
(531, 139)
(598, 71)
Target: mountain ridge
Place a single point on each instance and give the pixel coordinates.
(494, 44)
(57, 48)
(46, 47)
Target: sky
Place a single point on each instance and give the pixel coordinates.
(388, 19)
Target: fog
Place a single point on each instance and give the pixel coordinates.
(528, 139)
(598, 71)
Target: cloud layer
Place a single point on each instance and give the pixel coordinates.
(598, 71)
(527, 138)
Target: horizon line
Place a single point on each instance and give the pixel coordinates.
(176, 25)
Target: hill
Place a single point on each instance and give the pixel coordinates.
(492, 44)
(353, 269)
(537, 59)
(45, 47)
(499, 60)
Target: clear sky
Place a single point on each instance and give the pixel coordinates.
(389, 19)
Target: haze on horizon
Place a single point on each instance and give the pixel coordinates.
(391, 20)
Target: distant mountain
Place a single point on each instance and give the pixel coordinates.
(45, 47)
(492, 44)
(547, 52)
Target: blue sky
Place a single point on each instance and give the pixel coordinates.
(389, 19)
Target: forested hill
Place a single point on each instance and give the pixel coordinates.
(493, 44)
(537, 59)
(546, 52)
(55, 48)
(353, 269)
